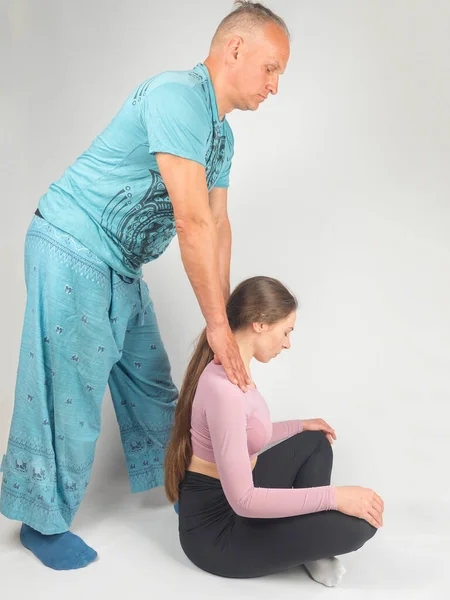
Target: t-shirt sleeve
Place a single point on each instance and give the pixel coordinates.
(223, 180)
(226, 419)
(175, 120)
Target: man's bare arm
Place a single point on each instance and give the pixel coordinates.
(185, 181)
(218, 203)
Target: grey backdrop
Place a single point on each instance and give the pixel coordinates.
(339, 187)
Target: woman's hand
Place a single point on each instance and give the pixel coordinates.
(319, 425)
(360, 502)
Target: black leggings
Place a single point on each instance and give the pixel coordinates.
(219, 541)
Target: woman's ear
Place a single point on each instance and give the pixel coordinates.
(258, 327)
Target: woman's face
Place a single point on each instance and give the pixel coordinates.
(270, 340)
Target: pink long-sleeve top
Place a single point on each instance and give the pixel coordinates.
(229, 428)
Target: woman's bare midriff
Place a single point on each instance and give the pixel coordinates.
(204, 467)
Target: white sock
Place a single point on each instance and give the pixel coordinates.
(328, 571)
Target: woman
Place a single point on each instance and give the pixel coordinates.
(243, 515)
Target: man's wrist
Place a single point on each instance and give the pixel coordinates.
(218, 322)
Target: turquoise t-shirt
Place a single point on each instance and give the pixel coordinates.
(113, 198)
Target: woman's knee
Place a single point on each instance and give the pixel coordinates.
(319, 442)
(362, 532)
(368, 531)
(314, 442)
(316, 438)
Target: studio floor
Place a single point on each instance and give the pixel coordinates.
(136, 538)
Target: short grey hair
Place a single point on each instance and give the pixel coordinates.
(250, 16)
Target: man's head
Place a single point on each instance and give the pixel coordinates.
(249, 51)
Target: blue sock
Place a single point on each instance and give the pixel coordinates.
(60, 551)
(175, 507)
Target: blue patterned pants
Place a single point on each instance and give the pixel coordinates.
(85, 328)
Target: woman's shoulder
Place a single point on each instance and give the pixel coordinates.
(212, 385)
(215, 376)
(214, 379)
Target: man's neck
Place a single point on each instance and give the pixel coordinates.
(224, 106)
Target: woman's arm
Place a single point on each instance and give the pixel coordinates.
(226, 419)
(282, 430)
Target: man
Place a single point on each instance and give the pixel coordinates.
(160, 168)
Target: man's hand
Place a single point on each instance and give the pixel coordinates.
(226, 353)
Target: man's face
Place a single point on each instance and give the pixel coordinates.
(257, 67)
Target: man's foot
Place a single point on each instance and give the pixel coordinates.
(60, 551)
